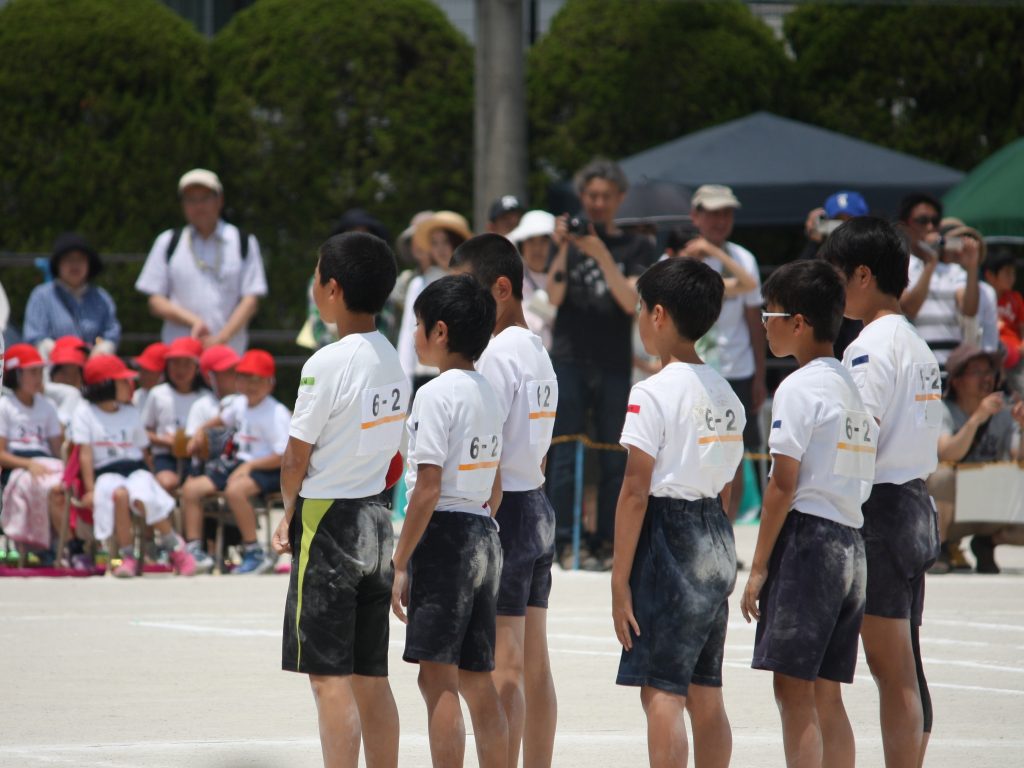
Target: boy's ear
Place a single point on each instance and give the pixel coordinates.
(440, 330)
(502, 289)
(658, 315)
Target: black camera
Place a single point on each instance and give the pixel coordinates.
(579, 225)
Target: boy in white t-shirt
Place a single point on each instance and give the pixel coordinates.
(250, 465)
(898, 378)
(675, 559)
(518, 368)
(448, 559)
(807, 580)
(349, 415)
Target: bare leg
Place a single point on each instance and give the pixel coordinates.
(122, 518)
(735, 495)
(926, 697)
(712, 734)
(338, 718)
(490, 728)
(439, 684)
(801, 732)
(237, 495)
(667, 746)
(192, 495)
(379, 719)
(946, 512)
(541, 702)
(55, 506)
(838, 748)
(508, 676)
(168, 480)
(891, 660)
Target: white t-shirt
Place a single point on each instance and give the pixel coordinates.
(205, 276)
(518, 368)
(939, 318)
(456, 424)
(165, 410)
(206, 408)
(988, 317)
(66, 398)
(260, 431)
(731, 332)
(407, 330)
(114, 436)
(819, 420)
(352, 404)
(139, 397)
(898, 380)
(688, 418)
(28, 428)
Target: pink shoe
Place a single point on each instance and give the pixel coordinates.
(183, 561)
(126, 570)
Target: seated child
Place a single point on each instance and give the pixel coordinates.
(117, 483)
(448, 559)
(151, 364)
(64, 388)
(30, 446)
(250, 466)
(807, 582)
(675, 559)
(1001, 273)
(166, 410)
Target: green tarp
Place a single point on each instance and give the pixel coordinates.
(991, 198)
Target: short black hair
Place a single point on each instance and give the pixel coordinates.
(999, 260)
(874, 243)
(101, 391)
(465, 306)
(12, 378)
(363, 266)
(678, 237)
(489, 257)
(813, 289)
(914, 199)
(689, 290)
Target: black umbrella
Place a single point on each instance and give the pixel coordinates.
(654, 202)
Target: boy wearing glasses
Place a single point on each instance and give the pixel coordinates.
(807, 579)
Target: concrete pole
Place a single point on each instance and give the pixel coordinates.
(499, 153)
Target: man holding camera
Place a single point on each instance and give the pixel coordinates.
(592, 283)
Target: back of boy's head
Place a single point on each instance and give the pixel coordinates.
(489, 257)
(465, 306)
(812, 289)
(874, 243)
(689, 290)
(998, 261)
(363, 266)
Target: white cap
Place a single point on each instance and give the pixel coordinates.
(533, 224)
(714, 197)
(202, 178)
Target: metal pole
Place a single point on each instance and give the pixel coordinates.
(577, 507)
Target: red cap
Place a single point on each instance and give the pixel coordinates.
(67, 355)
(105, 367)
(218, 359)
(153, 357)
(70, 342)
(256, 362)
(21, 356)
(185, 346)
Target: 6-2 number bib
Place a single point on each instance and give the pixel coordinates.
(478, 462)
(383, 417)
(855, 448)
(543, 400)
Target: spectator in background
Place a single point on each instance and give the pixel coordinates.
(504, 215)
(983, 328)
(71, 305)
(941, 290)
(5, 314)
(534, 237)
(1001, 273)
(740, 340)
(206, 279)
(592, 283)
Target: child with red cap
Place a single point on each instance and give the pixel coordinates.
(64, 388)
(151, 364)
(117, 483)
(250, 466)
(217, 367)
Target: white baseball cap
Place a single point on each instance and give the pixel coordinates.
(533, 224)
(200, 177)
(714, 197)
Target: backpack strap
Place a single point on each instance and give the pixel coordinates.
(173, 244)
(243, 243)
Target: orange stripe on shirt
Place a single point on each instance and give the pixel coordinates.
(855, 448)
(385, 420)
(542, 415)
(719, 439)
(921, 398)
(480, 465)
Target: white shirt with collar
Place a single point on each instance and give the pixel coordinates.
(731, 332)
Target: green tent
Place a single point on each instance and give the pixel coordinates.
(991, 198)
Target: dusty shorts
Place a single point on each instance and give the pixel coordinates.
(901, 541)
(812, 602)
(453, 592)
(526, 523)
(339, 592)
(683, 573)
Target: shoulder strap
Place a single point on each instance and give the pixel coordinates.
(243, 243)
(173, 244)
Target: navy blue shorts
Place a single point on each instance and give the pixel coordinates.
(812, 602)
(268, 480)
(683, 573)
(339, 593)
(526, 523)
(453, 592)
(165, 462)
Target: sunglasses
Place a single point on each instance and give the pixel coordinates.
(922, 221)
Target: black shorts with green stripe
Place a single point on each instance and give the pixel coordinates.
(339, 594)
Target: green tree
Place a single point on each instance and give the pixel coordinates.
(105, 103)
(613, 77)
(327, 104)
(940, 82)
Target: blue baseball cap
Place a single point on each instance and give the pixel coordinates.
(846, 204)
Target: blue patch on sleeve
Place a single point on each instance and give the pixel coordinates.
(777, 424)
(859, 360)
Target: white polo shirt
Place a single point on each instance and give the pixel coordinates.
(352, 404)
(259, 432)
(690, 421)
(28, 427)
(897, 376)
(819, 420)
(731, 332)
(114, 436)
(456, 424)
(205, 276)
(518, 368)
(165, 410)
(939, 318)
